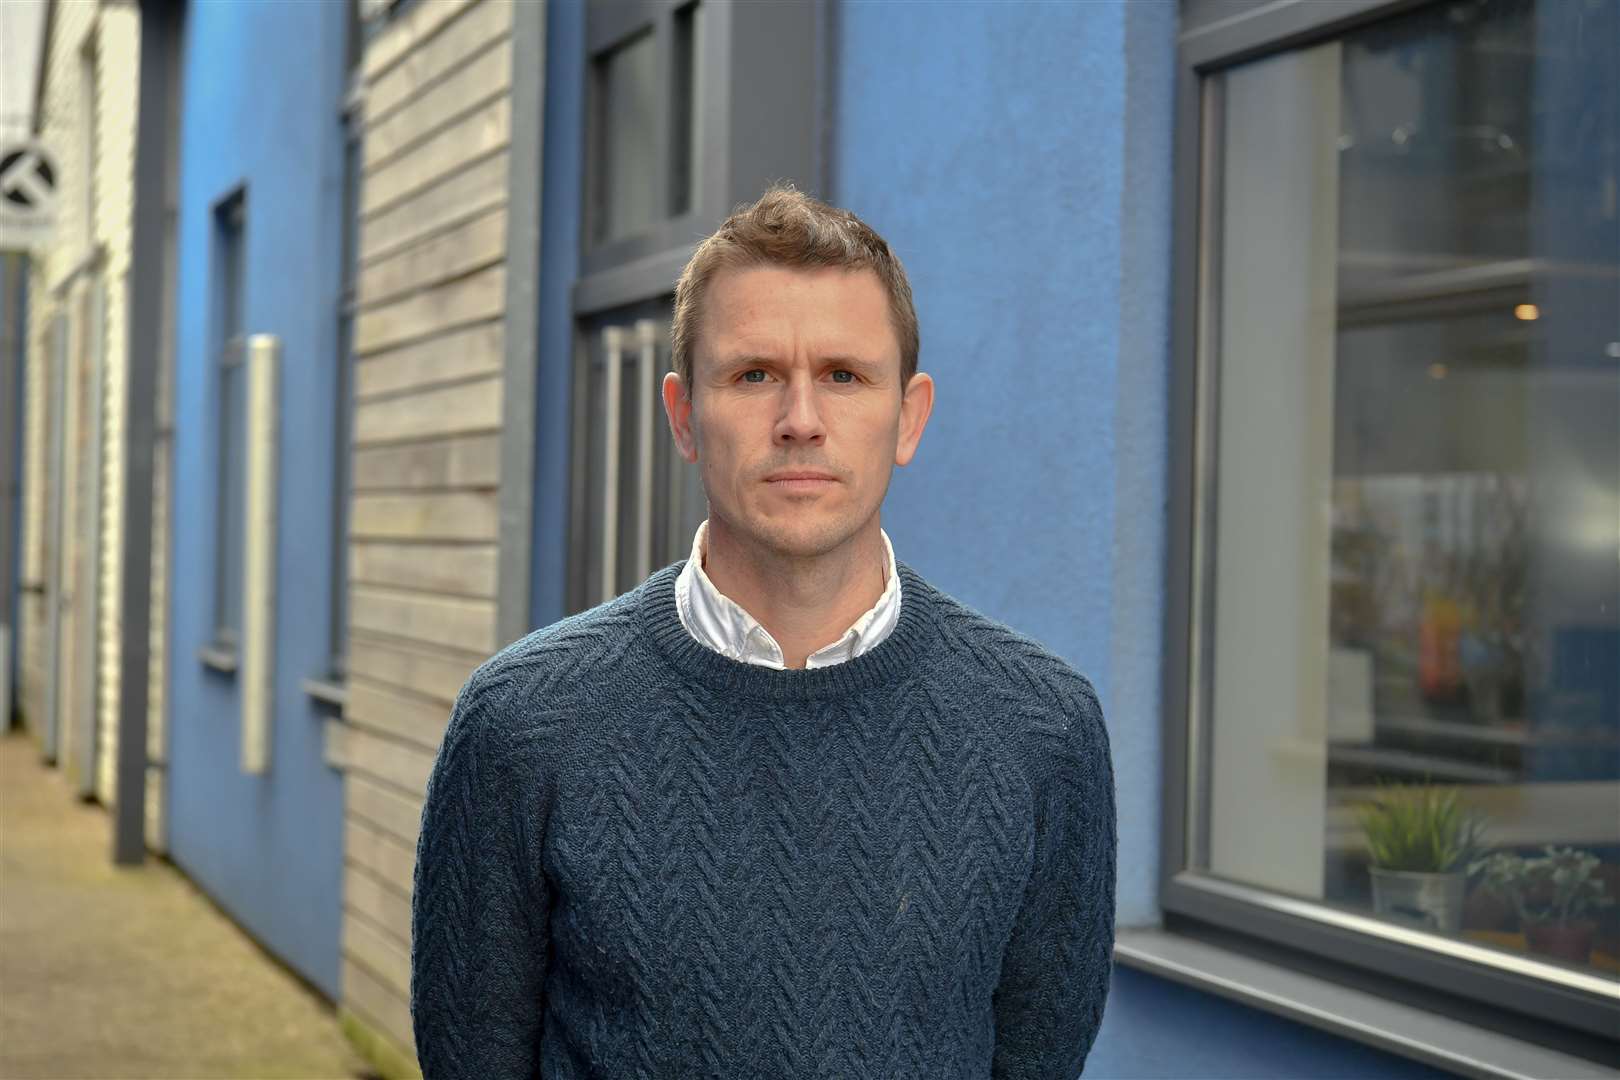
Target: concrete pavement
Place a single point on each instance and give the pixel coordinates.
(109, 972)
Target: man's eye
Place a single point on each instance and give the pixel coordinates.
(755, 375)
(842, 376)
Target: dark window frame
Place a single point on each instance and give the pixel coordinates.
(610, 28)
(1537, 1002)
(229, 354)
(760, 91)
(774, 131)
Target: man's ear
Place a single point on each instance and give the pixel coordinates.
(915, 406)
(678, 407)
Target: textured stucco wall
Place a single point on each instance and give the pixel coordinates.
(1017, 157)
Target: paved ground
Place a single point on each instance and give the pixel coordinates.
(112, 972)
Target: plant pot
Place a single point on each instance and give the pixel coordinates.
(1570, 941)
(1429, 901)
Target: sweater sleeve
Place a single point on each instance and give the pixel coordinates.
(1058, 963)
(479, 911)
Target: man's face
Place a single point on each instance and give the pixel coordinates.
(796, 414)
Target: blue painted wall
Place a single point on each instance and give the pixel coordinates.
(991, 148)
(262, 83)
(1155, 1029)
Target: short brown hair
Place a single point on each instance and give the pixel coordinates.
(789, 228)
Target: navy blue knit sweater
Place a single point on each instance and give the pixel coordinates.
(640, 858)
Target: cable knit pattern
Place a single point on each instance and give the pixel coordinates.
(640, 858)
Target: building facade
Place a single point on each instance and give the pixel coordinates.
(255, 812)
(69, 636)
(1278, 360)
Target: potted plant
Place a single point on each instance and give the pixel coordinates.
(1420, 842)
(1552, 894)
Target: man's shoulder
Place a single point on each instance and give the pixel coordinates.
(994, 661)
(541, 672)
(1022, 695)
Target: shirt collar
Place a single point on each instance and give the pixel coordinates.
(720, 623)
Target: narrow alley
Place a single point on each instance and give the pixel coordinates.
(118, 972)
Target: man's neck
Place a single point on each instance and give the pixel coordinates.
(804, 603)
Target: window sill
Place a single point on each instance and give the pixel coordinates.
(328, 691)
(220, 658)
(1386, 1022)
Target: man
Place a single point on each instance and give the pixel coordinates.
(784, 810)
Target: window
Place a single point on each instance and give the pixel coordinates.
(1400, 454)
(645, 140)
(660, 116)
(628, 80)
(230, 228)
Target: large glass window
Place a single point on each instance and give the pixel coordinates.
(1407, 663)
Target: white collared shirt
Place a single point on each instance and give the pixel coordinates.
(719, 622)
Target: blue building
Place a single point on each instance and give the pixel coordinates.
(256, 817)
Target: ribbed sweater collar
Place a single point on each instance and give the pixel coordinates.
(898, 656)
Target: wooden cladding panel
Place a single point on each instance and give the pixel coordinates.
(464, 300)
(472, 246)
(379, 902)
(459, 569)
(432, 620)
(419, 131)
(378, 852)
(458, 197)
(452, 515)
(471, 350)
(382, 953)
(380, 1004)
(471, 461)
(388, 810)
(436, 672)
(458, 409)
(415, 28)
(459, 41)
(424, 518)
(388, 760)
(404, 716)
(481, 132)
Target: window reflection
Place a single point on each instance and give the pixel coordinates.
(1416, 543)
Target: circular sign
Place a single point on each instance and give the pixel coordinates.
(27, 177)
(28, 180)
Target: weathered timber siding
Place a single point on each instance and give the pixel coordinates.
(429, 341)
(88, 111)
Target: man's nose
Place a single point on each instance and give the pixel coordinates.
(800, 421)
